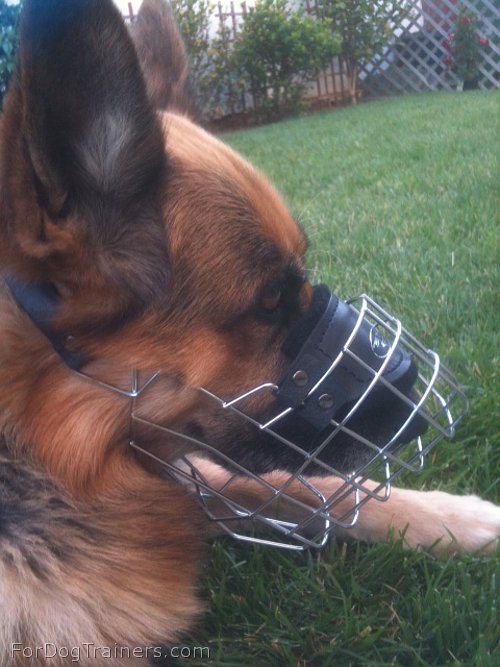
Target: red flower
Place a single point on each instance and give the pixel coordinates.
(447, 61)
(466, 21)
(484, 41)
(446, 45)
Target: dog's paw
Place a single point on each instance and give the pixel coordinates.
(448, 523)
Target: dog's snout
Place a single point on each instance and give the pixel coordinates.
(305, 326)
(394, 409)
(349, 369)
(339, 357)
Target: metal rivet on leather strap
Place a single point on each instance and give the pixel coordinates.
(325, 402)
(300, 378)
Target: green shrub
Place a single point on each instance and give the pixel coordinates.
(365, 27)
(9, 15)
(212, 75)
(226, 91)
(277, 52)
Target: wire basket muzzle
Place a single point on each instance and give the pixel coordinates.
(372, 366)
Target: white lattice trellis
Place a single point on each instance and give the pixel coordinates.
(413, 61)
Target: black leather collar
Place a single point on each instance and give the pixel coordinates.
(40, 302)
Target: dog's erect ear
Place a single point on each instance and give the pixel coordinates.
(163, 57)
(82, 163)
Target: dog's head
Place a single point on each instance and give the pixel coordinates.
(165, 251)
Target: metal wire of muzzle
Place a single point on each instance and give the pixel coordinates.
(435, 398)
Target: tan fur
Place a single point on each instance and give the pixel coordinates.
(426, 520)
(71, 581)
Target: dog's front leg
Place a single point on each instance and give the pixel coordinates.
(428, 519)
(434, 519)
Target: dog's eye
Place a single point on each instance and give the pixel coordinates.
(270, 297)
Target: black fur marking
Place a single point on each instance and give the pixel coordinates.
(36, 521)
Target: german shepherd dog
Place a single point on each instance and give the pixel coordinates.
(132, 239)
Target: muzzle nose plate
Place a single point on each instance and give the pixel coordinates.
(322, 379)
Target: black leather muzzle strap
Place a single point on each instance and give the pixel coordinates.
(328, 334)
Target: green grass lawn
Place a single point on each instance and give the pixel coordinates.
(399, 199)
